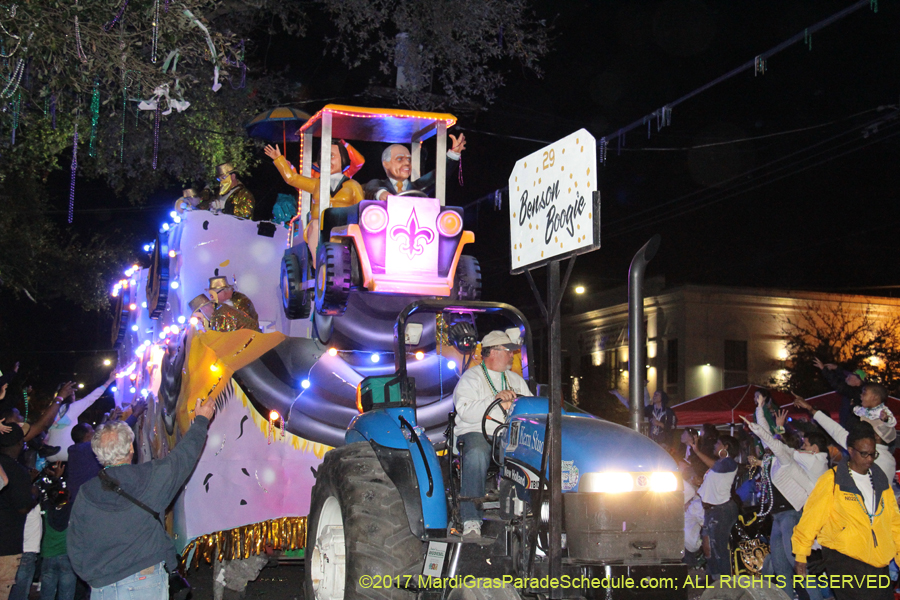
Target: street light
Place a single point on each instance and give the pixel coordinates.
(579, 289)
(106, 362)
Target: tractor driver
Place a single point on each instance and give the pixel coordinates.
(476, 389)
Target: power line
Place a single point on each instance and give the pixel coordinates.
(663, 114)
(738, 178)
(703, 203)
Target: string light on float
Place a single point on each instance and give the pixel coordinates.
(274, 417)
(419, 355)
(305, 384)
(332, 352)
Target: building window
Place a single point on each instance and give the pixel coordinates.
(735, 363)
(611, 364)
(672, 367)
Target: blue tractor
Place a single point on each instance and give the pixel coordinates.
(384, 512)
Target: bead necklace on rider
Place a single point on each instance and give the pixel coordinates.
(503, 383)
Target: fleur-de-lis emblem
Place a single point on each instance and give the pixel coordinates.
(414, 235)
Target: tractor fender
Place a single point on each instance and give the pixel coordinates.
(409, 460)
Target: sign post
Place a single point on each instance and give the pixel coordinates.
(554, 213)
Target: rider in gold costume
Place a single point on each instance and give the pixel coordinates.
(234, 198)
(233, 309)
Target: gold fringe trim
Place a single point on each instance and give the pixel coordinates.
(286, 533)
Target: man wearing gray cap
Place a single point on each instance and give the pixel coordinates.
(477, 388)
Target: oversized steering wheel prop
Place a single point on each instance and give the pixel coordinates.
(413, 194)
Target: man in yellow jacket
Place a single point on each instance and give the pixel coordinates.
(853, 513)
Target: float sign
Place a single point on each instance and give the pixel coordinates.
(554, 204)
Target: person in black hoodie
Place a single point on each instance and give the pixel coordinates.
(114, 544)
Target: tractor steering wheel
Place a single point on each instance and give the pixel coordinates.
(413, 193)
(489, 438)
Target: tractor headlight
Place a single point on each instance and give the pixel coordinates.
(608, 483)
(618, 482)
(663, 481)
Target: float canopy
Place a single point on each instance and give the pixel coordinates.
(390, 125)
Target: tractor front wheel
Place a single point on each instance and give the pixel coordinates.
(357, 534)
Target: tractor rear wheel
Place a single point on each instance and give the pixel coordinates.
(358, 532)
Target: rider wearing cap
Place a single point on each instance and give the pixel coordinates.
(476, 389)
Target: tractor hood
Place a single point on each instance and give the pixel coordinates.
(589, 445)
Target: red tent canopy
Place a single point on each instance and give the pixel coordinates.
(830, 403)
(724, 407)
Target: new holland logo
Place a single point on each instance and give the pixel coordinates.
(520, 477)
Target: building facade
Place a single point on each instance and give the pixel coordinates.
(700, 339)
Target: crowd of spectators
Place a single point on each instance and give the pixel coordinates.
(824, 490)
(45, 461)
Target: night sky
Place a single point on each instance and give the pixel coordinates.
(808, 199)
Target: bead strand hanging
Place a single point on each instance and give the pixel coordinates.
(13, 84)
(766, 496)
(155, 43)
(95, 117)
(16, 108)
(156, 138)
(74, 169)
(124, 107)
(115, 19)
(79, 50)
(13, 36)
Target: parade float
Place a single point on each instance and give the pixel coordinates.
(285, 392)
